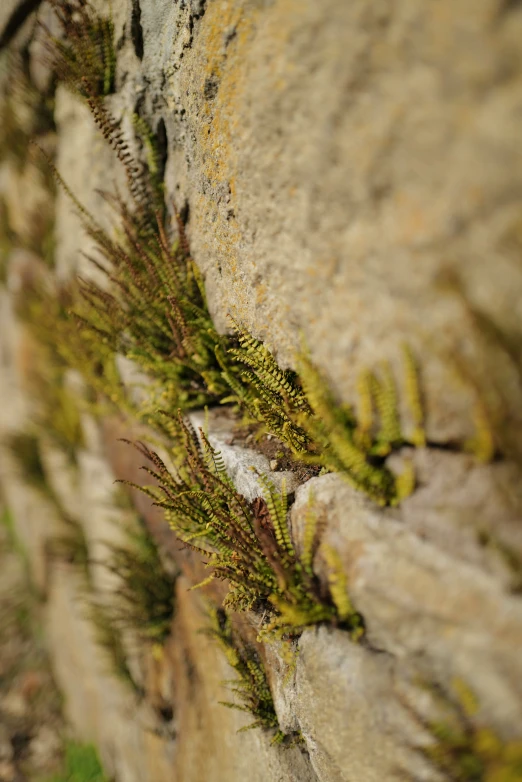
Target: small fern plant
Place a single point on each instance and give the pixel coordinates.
(356, 441)
(153, 308)
(84, 57)
(268, 394)
(463, 749)
(144, 598)
(302, 411)
(248, 545)
(250, 688)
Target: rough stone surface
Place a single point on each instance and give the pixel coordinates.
(422, 600)
(209, 745)
(30, 719)
(308, 143)
(339, 161)
(99, 707)
(350, 172)
(243, 466)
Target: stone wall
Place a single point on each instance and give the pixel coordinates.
(350, 174)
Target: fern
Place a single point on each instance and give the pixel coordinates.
(144, 599)
(84, 58)
(414, 398)
(154, 312)
(310, 536)
(462, 748)
(251, 689)
(270, 395)
(482, 444)
(357, 446)
(108, 636)
(248, 545)
(65, 342)
(334, 428)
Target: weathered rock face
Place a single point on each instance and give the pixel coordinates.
(341, 162)
(350, 173)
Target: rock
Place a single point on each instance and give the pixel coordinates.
(14, 348)
(7, 771)
(350, 173)
(310, 174)
(14, 705)
(31, 684)
(99, 706)
(15, 21)
(26, 198)
(102, 520)
(89, 168)
(35, 518)
(62, 476)
(337, 676)
(311, 165)
(39, 64)
(423, 601)
(45, 746)
(243, 465)
(6, 748)
(208, 741)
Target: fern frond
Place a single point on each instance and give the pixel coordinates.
(277, 506)
(414, 397)
(309, 536)
(384, 392)
(363, 433)
(405, 483)
(338, 585)
(482, 444)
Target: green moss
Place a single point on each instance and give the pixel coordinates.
(82, 764)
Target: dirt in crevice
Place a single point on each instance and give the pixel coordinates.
(278, 454)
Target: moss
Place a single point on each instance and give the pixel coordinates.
(81, 764)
